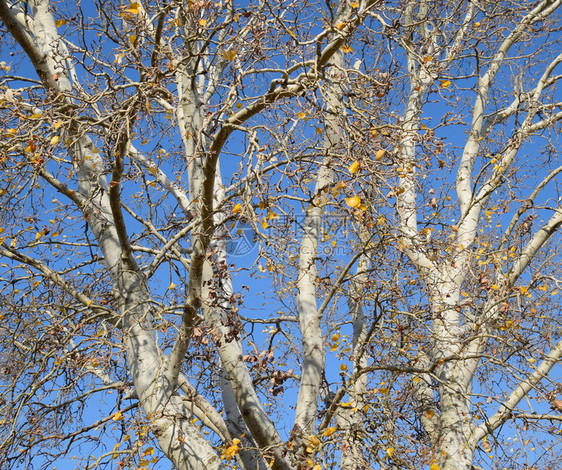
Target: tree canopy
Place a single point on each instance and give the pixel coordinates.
(286, 234)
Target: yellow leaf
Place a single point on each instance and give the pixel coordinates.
(143, 463)
(230, 452)
(313, 440)
(343, 367)
(445, 83)
(335, 337)
(13, 243)
(60, 23)
(353, 168)
(354, 201)
(153, 170)
(434, 466)
(334, 346)
(390, 451)
(346, 48)
(340, 26)
(317, 467)
(202, 21)
(264, 224)
(354, 5)
(230, 55)
(38, 236)
(523, 290)
(237, 208)
(35, 116)
(133, 39)
(57, 124)
(148, 451)
(133, 8)
(55, 139)
(171, 286)
(427, 59)
(319, 130)
(117, 416)
(329, 431)
(380, 153)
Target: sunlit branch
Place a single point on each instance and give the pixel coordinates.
(464, 191)
(506, 410)
(53, 276)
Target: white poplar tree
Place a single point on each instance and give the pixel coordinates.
(280, 234)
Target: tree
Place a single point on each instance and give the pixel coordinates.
(286, 234)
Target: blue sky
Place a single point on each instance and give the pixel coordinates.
(261, 299)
